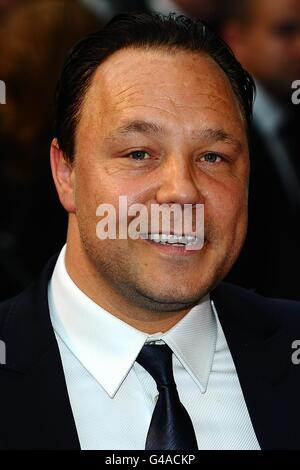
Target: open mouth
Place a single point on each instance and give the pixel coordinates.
(182, 241)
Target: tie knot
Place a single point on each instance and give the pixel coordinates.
(157, 360)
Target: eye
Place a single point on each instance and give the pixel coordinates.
(138, 155)
(211, 158)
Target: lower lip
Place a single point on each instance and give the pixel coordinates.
(171, 249)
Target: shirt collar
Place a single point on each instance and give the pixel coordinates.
(107, 347)
(193, 341)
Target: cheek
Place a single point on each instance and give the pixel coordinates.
(85, 194)
(226, 206)
(96, 187)
(87, 198)
(91, 187)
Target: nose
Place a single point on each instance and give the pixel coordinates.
(178, 184)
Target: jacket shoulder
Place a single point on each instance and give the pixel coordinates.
(20, 309)
(285, 311)
(6, 309)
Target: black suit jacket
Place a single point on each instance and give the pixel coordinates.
(35, 411)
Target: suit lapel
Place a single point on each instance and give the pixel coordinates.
(261, 350)
(38, 414)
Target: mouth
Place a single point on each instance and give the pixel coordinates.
(174, 244)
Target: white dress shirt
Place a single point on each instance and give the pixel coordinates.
(113, 397)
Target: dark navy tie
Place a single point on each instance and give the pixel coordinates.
(171, 426)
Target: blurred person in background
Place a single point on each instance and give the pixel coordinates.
(209, 10)
(6, 6)
(34, 39)
(265, 36)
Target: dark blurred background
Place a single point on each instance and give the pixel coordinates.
(35, 36)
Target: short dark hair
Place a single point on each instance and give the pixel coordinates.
(146, 31)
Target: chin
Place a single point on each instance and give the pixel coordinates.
(175, 296)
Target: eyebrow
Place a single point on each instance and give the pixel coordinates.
(136, 127)
(151, 128)
(217, 135)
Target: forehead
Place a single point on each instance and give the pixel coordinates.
(179, 87)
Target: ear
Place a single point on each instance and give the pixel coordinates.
(64, 178)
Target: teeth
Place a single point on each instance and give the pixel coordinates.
(172, 239)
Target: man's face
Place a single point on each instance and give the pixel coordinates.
(193, 150)
(272, 42)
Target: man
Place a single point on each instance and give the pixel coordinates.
(265, 36)
(154, 109)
